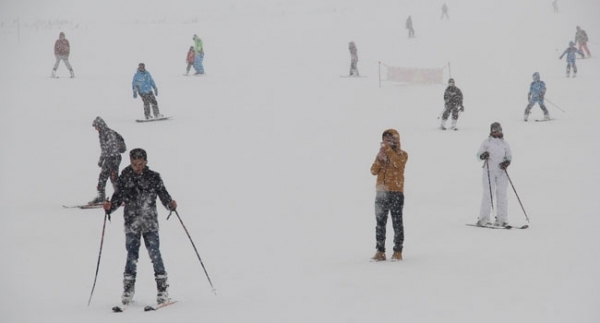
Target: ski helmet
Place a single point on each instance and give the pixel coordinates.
(451, 81)
(536, 76)
(571, 44)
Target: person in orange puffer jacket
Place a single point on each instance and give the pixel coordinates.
(389, 169)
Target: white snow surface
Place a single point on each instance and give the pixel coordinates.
(268, 157)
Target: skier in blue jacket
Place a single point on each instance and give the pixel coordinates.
(570, 52)
(537, 90)
(143, 84)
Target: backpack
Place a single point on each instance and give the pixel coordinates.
(121, 143)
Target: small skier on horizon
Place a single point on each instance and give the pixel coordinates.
(445, 11)
(409, 26)
(453, 103)
(353, 59)
(571, 57)
(62, 49)
(537, 90)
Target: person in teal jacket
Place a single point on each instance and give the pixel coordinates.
(199, 55)
(143, 84)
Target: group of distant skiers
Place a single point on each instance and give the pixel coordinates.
(143, 84)
(137, 187)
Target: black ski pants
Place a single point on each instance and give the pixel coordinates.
(389, 202)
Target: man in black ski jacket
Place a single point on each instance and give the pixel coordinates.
(137, 188)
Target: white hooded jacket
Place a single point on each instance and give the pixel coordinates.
(499, 151)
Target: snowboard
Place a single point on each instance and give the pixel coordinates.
(153, 119)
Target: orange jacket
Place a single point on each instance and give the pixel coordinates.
(390, 173)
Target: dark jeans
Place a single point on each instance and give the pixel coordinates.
(392, 202)
(132, 244)
(110, 169)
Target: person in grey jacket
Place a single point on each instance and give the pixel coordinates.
(110, 158)
(138, 188)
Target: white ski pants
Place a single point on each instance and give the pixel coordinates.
(498, 181)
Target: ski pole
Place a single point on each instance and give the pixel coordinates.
(487, 165)
(193, 245)
(555, 105)
(106, 216)
(513, 187)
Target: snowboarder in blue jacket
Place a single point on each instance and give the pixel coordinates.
(537, 90)
(571, 57)
(143, 84)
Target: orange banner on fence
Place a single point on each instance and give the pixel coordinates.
(415, 75)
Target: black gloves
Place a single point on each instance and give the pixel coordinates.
(484, 156)
(100, 162)
(504, 164)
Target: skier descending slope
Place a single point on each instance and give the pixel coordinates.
(570, 52)
(453, 99)
(138, 187)
(496, 153)
(537, 90)
(353, 59)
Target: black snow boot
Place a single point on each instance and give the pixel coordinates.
(128, 289)
(162, 287)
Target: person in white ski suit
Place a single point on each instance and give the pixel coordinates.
(496, 153)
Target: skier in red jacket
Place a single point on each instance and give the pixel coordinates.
(62, 49)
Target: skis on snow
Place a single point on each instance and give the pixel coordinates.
(158, 306)
(84, 206)
(491, 226)
(148, 308)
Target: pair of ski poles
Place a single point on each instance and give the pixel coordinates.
(511, 184)
(107, 217)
